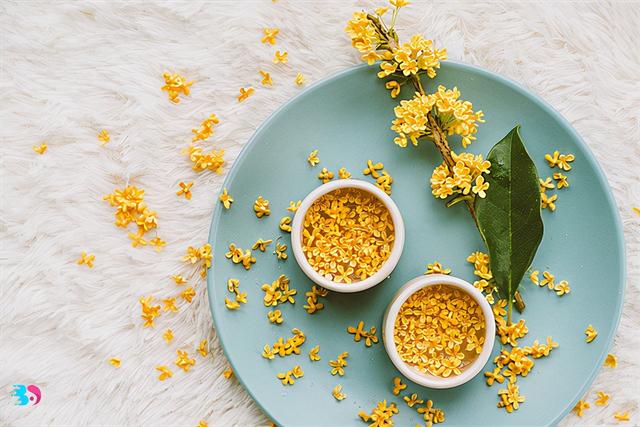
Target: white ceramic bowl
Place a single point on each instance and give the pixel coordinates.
(412, 373)
(389, 264)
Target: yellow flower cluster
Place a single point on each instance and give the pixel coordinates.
(437, 268)
(418, 55)
(450, 341)
(278, 292)
(464, 178)
(212, 161)
(359, 332)
(347, 235)
(364, 36)
(338, 365)
(287, 378)
(175, 84)
(240, 297)
(201, 255)
(149, 311)
(381, 415)
(206, 128)
(383, 179)
(312, 305)
(337, 393)
(130, 208)
(261, 207)
(86, 259)
(430, 414)
(455, 117)
(560, 160)
(561, 288)
(398, 386)
(239, 256)
(284, 348)
(482, 270)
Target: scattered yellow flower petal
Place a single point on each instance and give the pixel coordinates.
(280, 57)
(185, 188)
(548, 202)
(611, 361)
(562, 288)
(168, 336)
(149, 311)
(179, 280)
(203, 423)
(437, 268)
(562, 180)
(325, 175)
(637, 211)
(206, 128)
(245, 93)
(169, 305)
(546, 184)
(226, 199)
(175, 84)
(534, 277)
(580, 407)
(165, 372)
(398, 386)
(313, 353)
(548, 280)
(394, 87)
(183, 361)
(158, 243)
(337, 393)
(270, 35)
(203, 349)
(285, 224)
(343, 173)
(86, 259)
(188, 294)
(227, 373)
(275, 316)
(412, 400)
(261, 244)
(114, 361)
(231, 305)
(313, 158)
(623, 417)
(591, 333)
(300, 80)
(338, 365)
(40, 149)
(212, 161)
(261, 207)
(104, 137)
(381, 10)
(603, 399)
(280, 251)
(266, 78)
(293, 206)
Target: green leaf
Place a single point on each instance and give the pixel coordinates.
(509, 217)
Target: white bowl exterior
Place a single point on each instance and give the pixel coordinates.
(389, 264)
(392, 313)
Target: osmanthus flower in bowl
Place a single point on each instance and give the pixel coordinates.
(347, 235)
(439, 331)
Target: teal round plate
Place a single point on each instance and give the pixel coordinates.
(347, 118)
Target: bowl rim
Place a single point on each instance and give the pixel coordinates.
(387, 267)
(391, 314)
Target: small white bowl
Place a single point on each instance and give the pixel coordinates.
(389, 264)
(409, 371)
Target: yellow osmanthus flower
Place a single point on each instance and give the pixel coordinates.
(280, 251)
(546, 184)
(460, 179)
(165, 372)
(227, 373)
(185, 189)
(226, 199)
(313, 353)
(398, 386)
(534, 277)
(114, 361)
(381, 10)
(313, 158)
(417, 55)
(206, 128)
(275, 317)
(261, 207)
(179, 279)
(201, 255)
(184, 361)
(212, 161)
(494, 376)
(394, 88)
(562, 288)
(337, 393)
(158, 243)
(547, 202)
(384, 182)
(343, 173)
(266, 78)
(359, 332)
(611, 361)
(430, 414)
(560, 160)
(510, 398)
(245, 93)
(203, 423)
(580, 407)
(622, 417)
(381, 415)
(591, 333)
(364, 36)
(188, 294)
(203, 348)
(168, 336)
(399, 3)
(455, 116)
(86, 259)
(149, 311)
(175, 84)
(603, 399)
(270, 35)
(293, 206)
(261, 245)
(130, 208)
(637, 211)
(170, 305)
(285, 224)
(412, 400)
(40, 149)
(562, 180)
(278, 292)
(300, 80)
(231, 305)
(373, 168)
(104, 137)
(549, 280)
(280, 57)
(325, 175)
(288, 378)
(437, 268)
(313, 306)
(338, 365)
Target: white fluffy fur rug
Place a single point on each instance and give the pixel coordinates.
(71, 69)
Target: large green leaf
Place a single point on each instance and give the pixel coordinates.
(509, 216)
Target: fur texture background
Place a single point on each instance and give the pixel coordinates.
(72, 69)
